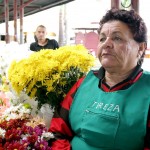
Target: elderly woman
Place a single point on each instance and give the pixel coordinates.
(108, 109)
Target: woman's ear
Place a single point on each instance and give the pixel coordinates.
(142, 48)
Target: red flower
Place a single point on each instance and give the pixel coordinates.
(1, 146)
(13, 134)
(19, 136)
(32, 139)
(14, 145)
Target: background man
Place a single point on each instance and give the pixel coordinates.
(41, 42)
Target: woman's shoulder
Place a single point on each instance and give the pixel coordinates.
(145, 72)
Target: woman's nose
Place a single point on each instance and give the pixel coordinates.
(108, 42)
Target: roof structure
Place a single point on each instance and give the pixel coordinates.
(30, 7)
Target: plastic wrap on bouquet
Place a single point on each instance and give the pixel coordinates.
(46, 112)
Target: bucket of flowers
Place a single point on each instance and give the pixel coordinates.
(48, 75)
(19, 130)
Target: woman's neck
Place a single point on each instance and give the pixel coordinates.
(113, 78)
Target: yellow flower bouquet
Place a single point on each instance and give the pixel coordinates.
(48, 75)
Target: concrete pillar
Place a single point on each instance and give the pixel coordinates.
(62, 26)
(21, 14)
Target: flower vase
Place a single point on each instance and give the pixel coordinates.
(46, 112)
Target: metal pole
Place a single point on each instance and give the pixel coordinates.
(7, 39)
(15, 20)
(135, 5)
(115, 4)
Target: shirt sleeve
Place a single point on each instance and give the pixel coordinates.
(56, 45)
(32, 47)
(60, 126)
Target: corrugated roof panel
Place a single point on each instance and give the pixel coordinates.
(31, 7)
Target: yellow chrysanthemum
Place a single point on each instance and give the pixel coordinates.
(50, 73)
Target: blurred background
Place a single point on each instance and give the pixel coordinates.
(69, 22)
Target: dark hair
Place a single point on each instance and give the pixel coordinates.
(131, 18)
(40, 26)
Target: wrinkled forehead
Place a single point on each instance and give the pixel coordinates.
(115, 27)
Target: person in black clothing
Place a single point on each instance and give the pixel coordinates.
(41, 42)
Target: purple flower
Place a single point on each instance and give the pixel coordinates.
(42, 145)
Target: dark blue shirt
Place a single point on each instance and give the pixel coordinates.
(51, 44)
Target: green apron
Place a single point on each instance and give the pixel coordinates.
(110, 120)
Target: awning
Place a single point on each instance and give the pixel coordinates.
(30, 6)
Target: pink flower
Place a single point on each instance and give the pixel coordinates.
(4, 102)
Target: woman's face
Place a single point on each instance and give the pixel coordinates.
(117, 49)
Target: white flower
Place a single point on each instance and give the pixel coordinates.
(47, 135)
(14, 112)
(2, 133)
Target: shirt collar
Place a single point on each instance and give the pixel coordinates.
(101, 73)
(40, 45)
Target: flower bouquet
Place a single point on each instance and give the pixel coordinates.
(18, 130)
(48, 75)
